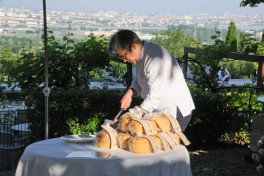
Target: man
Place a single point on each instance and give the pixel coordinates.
(223, 74)
(159, 79)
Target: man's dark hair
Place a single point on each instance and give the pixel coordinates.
(122, 40)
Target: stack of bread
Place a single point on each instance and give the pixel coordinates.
(141, 132)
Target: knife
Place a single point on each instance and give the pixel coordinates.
(118, 114)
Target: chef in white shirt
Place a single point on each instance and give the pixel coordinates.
(159, 79)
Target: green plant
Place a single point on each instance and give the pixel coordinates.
(89, 126)
(9, 118)
(9, 115)
(241, 137)
(208, 57)
(71, 64)
(175, 41)
(231, 38)
(221, 116)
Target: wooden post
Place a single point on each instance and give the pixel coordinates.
(260, 74)
(129, 75)
(185, 65)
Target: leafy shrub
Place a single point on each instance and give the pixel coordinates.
(73, 111)
(221, 116)
(89, 126)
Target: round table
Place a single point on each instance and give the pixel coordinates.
(58, 157)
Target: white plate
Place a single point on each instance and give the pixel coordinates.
(78, 138)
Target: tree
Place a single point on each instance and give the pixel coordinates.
(231, 38)
(241, 69)
(260, 50)
(29, 70)
(174, 41)
(251, 3)
(208, 56)
(247, 43)
(90, 54)
(7, 63)
(69, 62)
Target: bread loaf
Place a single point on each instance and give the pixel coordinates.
(142, 144)
(124, 122)
(106, 138)
(163, 122)
(103, 140)
(122, 140)
(141, 126)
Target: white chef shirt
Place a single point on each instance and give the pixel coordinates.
(160, 82)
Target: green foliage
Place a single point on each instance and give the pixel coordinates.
(201, 34)
(88, 126)
(90, 54)
(208, 56)
(7, 64)
(221, 116)
(70, 64)
(247, 43)
(241, 137)
(119, 69)
(231, 38)
(208, 59)
(82, 111)
(72, 111)
(174, 41)
(29, 71)
(209, 119)
(8, 115)
(241, 69)
(17, 42)
(260, 50)
(251, 3)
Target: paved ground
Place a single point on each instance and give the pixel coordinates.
(224, 162)
(238, 82)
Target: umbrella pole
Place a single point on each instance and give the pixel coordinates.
(46, 90)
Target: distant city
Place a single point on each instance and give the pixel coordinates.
(25, 21)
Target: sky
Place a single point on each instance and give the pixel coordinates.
(179, 7)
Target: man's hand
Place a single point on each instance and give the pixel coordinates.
(126, 99)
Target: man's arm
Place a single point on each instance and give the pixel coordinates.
(227, 72)
(127, 98)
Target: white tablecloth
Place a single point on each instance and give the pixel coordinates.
(48, 158)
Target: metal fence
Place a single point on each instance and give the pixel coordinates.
(14, 134)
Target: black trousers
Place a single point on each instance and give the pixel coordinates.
(183, 121)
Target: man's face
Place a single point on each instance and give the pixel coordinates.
(131, 54)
